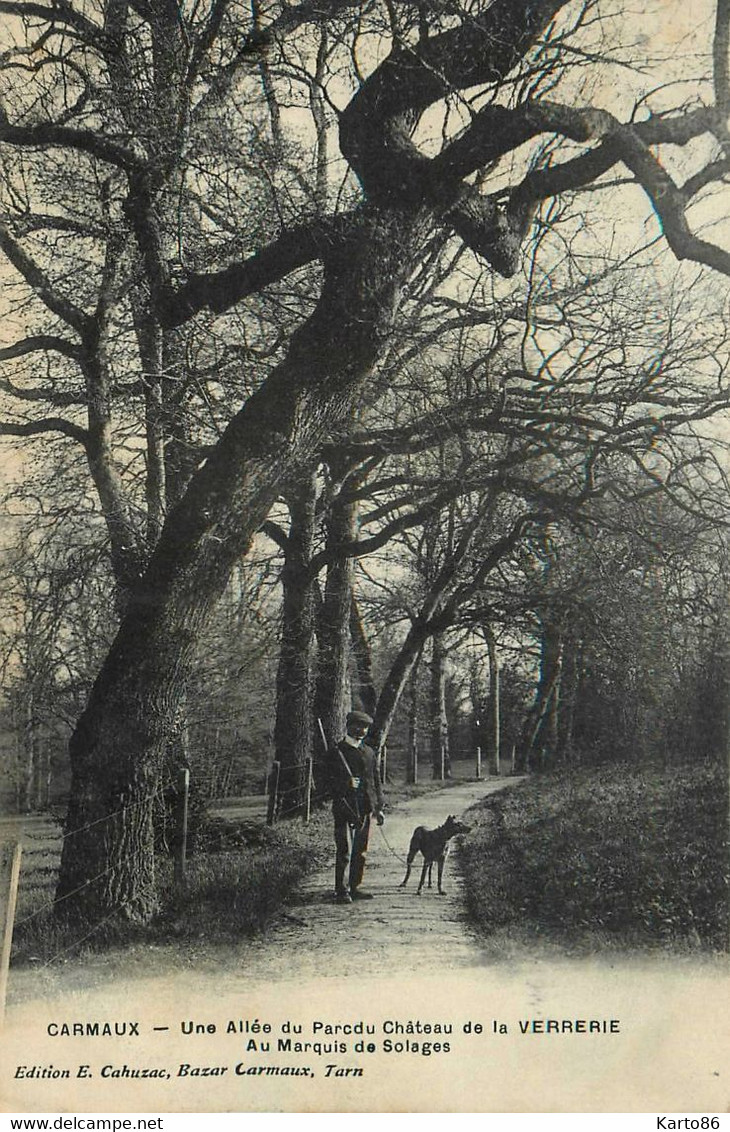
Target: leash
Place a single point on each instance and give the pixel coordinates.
(359, 821)
(397, 856)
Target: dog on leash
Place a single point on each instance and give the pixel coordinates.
(433, 844)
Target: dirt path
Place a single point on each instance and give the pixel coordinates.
(313, 936)
(396, 930)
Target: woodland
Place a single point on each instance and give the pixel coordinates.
(362, 354)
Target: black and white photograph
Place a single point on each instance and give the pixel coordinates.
(365, 556)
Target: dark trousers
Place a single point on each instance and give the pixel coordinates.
(351, 844)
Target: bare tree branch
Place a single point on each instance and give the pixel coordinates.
(95, 144)
(220, 290)
(60, 12)
(44, 289)
(374, 132)
(40, 343)
(41, 427)
(38, 393)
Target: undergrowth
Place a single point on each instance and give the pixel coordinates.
(627, 856)
(233, 887)
(236, 890)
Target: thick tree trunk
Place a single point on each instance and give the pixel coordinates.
(181, 452)
(333, 631)
(151, 349)
(127, 550)
(295, 676)
(107, 865)
(439, 724)
(397, 680)
(539, 738)
(366, 695)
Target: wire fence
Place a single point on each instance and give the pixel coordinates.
(121, 864)
(294, 798)
(290, 791)
(282, 800)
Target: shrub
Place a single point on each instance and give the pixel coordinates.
(637, 854)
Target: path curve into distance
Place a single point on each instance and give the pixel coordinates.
(396, 930)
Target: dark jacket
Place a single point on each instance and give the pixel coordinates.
(349, 804)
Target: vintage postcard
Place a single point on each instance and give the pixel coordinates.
(365, 712)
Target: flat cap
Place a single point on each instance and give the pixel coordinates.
(360, 717)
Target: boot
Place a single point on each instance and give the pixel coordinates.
(342, 895)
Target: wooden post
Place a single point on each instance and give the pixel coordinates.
(273, 788)
(182, 837)
(10, 852)
(443, 763)
(513, 758)
(477, 736)
(308, 796)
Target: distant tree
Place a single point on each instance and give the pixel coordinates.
(55, 628)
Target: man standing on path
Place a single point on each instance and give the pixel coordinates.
(354, 784)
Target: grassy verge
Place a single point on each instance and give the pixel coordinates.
(618, 857)
(399, 792)
(232, 889)
(235, 891)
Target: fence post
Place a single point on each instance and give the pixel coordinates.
(273, 788)
(443, 762)
(10, 852)
(513, 758)
(479, 763)
(182, 838)
(308, 796)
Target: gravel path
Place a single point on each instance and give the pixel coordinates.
(396, 929)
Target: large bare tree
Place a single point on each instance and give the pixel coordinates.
(444, 116)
